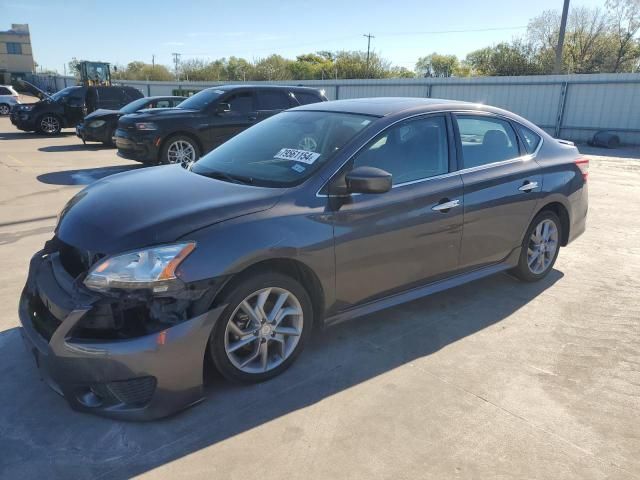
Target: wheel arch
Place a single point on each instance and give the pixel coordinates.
(562, 212)
(291, 267)
(178, 133)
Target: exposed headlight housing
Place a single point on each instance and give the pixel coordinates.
(96, 123)
(25, 108)
(146, 126)
(151, 268)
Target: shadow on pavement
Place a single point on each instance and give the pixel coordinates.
(20, 135)
(76, 147)
(40, 437)
(84, 176)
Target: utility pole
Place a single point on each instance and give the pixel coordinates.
(563, 26)
(176, 61)
(369, 37)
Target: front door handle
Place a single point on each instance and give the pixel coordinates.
(446, 205)
(253, 118)
(528, 186)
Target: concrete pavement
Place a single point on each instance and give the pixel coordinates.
(495, 379)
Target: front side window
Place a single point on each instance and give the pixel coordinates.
(305, 98)
(486, 140)
(412, 150)
(202, 99)
(241, 103)
(283, 150)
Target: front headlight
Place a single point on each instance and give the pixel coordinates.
(146, 126)
(149, 268)
(96, 123)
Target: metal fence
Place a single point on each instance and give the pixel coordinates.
(567, 106)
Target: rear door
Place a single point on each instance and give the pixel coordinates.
(502, 186)
(385, 243)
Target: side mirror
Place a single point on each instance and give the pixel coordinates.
(223, 108)
(368, 180)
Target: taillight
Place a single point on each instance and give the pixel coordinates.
(583, 165)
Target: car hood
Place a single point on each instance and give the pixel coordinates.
(101, 113)
(150, 206)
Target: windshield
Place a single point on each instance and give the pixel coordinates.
(134, 106)
(65, 92)
(283, 150)
(201, 99)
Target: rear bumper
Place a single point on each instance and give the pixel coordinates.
(135, 146)
(141, 378)
(91, 134)
(579, 208)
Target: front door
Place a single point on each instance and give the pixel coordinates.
(502, 186)
(242, 114)
(392, 241)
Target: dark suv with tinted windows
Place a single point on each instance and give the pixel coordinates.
(67, 108)
(204, 121)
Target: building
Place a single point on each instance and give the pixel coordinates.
(16, 57)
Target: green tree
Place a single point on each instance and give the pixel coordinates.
(436, 65)
(515, 58)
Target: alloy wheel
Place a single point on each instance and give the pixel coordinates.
(181, 152)
(543, 245)
(4, 110)
(50, 124)
(264, 330)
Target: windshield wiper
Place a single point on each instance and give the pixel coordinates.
(218, 175)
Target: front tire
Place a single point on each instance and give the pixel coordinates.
(49, 124)
(540, 247)
(180, 149)
(264, 328)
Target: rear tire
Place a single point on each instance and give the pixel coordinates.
(4, 109)
(179, 149)
(283, 337)
(109, 141)
(540, 247)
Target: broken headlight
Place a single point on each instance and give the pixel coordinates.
(152, 268)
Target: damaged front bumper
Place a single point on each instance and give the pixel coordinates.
(139, 378)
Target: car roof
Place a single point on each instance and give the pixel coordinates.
(289, 88)
(383, 106)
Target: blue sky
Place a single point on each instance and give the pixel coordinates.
(120, 31)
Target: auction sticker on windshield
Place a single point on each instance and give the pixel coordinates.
(295, 155)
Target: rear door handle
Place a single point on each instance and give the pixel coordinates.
(253, 118)
(448, 205)
(528, 186)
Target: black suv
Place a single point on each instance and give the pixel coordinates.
(67, 108)
(204, 121)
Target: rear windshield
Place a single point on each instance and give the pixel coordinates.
(201, 99)
(283, 150)
(134, 106)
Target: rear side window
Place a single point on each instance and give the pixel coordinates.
(305, 98)
(531, 139)
(5, 91)
(486, 140)
(272, 100)
(412, 150)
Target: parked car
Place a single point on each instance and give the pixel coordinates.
(100, 125)
(67, 108)
(203, 121)
(8, 98)
(319, 214)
